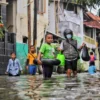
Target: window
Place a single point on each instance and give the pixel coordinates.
(41, 5)
(70, 7)
(11, 37)
(25, 39)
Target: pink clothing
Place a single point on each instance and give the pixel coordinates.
(92, 58)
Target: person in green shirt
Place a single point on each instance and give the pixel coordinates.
(47, 52)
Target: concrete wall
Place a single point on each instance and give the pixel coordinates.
(42, 23)
(21, 51)
(22, 20)
(51, 17)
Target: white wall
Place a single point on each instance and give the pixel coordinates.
(52, 27)
(80, 12)
(22, 21)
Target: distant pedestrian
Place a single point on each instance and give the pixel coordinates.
(92, 68)
(47, 52)
(92, 57)
(32, 68)
(14, 67)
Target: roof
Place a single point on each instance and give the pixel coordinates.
(92, 21)
(92, 24)
(55, 35)
(93, 17)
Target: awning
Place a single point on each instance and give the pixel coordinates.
(55, 36)
(92, 24)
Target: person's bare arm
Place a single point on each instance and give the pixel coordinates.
(81, 46)
(39, 57)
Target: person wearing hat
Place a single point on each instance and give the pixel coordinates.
(70, 51)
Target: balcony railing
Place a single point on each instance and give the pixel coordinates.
(90, 41)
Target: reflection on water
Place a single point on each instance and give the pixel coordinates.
(84, 87)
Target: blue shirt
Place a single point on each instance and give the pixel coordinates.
(92, 69)
(13, 67)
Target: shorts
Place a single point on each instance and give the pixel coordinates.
(32, 69)
(71, 65)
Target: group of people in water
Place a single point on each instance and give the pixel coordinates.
(68, 47)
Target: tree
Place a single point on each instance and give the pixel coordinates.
(89, 3)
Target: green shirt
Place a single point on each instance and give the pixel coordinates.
(47, 50)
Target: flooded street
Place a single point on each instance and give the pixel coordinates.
(84, 87)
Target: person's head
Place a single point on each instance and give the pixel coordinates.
(13, 55)
(68, 34)
(32, 49)
(49, 38)
(91, 53)
(92, 63)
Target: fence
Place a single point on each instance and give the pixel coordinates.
(7, 45)
(89, 41)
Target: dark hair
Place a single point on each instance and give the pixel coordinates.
(48, 33)
(32, 46)
(13, 53)
(91, 53)
(92, 63)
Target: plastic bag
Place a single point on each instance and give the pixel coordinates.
(61, 57)
(85, 55)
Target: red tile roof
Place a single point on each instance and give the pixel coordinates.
(92, 16)
(95, 21)
(92, 24)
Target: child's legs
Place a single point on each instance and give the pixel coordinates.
(69, 68)
(34, 69)
(30, 69)
(62, 69)
(74, 67)
(45, 71)
(50, 70)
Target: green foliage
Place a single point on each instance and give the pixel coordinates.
(90, 3)
(80, 66)
(2, 29)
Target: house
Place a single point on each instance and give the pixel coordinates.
(91, 31)
(91, 27)
(64, 15)
(7, 40)
(15, 17)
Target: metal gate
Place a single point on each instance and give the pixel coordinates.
(7, 45)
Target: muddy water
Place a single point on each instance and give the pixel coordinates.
(84, 87)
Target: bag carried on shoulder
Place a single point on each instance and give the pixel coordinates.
(85, 55)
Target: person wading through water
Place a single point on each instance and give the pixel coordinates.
(70, 50)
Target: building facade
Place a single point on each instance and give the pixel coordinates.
(17, 22)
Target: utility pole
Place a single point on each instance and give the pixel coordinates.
(29, 23)
(35, 24)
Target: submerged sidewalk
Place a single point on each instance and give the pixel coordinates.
(84, 87)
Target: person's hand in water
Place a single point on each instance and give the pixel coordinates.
(39, 62)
